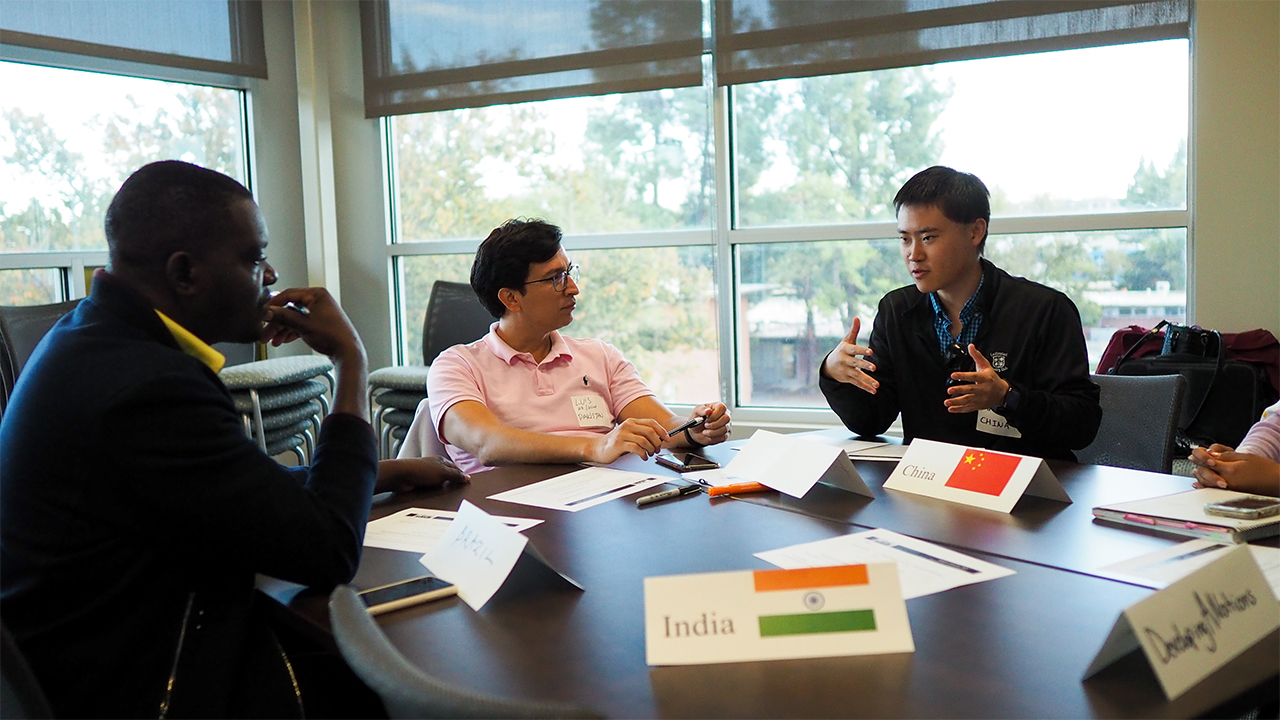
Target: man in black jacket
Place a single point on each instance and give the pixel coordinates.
(134, 512)
(969, 355)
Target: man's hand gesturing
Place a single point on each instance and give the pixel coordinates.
(848, 363)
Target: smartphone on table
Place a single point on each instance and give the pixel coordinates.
(1253, 507)
(684, 461)
(406, 593)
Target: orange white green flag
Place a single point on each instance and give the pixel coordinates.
(973, 476)
(775, 615)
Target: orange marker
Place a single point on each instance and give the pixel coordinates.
(737, 489)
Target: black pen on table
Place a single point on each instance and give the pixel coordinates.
(667, 494)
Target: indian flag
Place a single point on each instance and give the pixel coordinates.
(807, 583)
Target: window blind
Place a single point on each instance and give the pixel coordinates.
(759, 40)
(447, 54)
(221, 37)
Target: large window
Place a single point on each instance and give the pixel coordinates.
(67, 141)
(740, 226)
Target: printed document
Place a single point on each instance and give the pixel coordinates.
(418, 530)
(1161, 568)
(923, 568)
(580, 489)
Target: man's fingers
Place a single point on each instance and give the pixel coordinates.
(979, 360)
(852, 337)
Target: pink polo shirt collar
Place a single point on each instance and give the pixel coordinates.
(509, 355)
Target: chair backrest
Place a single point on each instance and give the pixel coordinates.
(454, 316)
(1139, 420)
(422, 440)
(21, 329)
(406, 691)
(20, 693)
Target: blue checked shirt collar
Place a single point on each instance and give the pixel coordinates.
(970, 320)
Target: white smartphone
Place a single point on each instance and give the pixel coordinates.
(406, 593)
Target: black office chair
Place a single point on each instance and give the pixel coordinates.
(454, 316)
(408, 692)
(20, 693)
(1139, 421)
(21, 329)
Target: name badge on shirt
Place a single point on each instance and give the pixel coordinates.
(592, 411)
(993, 423)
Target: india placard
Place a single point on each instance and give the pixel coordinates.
(775, 615)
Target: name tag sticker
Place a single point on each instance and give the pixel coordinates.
(775, 615)
(973, 476)
(993, 423)
(592, 411)
(1196, 625)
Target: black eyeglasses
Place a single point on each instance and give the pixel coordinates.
(560, 280)
(958, 360)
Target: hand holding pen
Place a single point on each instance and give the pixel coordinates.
(707, 425)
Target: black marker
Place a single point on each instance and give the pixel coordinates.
(667, 494)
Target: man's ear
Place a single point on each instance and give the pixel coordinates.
(511, 299)
(180, 272)
(978, 228)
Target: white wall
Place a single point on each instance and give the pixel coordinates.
(1235, 248)
(1234, 258)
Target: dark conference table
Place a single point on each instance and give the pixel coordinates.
(1012, 647)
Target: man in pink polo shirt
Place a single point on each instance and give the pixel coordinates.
(524, 393)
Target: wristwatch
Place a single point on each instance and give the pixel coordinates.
(1012, 399)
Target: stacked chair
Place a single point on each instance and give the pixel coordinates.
(21, 329)
(454, 315)
(281, 401)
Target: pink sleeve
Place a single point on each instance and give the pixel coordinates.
(625, 384)
(1263, 438)
(451, 380)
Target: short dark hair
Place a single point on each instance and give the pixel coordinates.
(169, 206)
(503, 259)
(961, 196)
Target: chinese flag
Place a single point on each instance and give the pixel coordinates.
(983, 471)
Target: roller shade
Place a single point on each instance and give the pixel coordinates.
(221, 37)
(759, 40)
(447, 54)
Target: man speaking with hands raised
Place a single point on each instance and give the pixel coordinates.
(968, 354)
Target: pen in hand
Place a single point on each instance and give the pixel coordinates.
(689, 424)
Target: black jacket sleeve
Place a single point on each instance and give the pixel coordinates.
(860, 411)
(221, 503)
(1060, 406)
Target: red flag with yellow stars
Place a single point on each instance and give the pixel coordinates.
(983, 471)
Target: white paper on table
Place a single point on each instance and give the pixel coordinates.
(420, 529)
(789, 463)
(923, 568)
(879, 451)
(1160, 568)
(476, 553)
(580, 489)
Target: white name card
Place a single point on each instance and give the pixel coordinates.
(476, 553)
(973, 476)
(792, 465)
(775, 615)
(1197, 624)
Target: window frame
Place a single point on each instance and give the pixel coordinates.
(725, 238)
(72, 263)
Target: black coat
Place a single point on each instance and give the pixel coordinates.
(1030, 333)
(134, 513)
